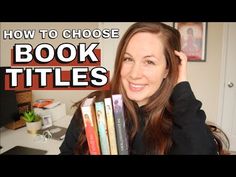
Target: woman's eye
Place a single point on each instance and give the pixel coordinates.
(127, 59)
(149, 62)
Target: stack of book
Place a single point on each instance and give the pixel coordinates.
(104, 123)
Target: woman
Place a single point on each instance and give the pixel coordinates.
(162, 114)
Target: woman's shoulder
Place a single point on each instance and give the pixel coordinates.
(182, 85)
(182, 89)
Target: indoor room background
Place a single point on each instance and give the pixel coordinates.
(205, 77)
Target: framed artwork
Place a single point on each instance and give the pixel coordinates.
(193, 39)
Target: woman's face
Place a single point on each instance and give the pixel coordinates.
(144, 67)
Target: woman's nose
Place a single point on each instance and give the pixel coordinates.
(136, 71)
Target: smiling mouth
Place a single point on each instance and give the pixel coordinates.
(136, 87)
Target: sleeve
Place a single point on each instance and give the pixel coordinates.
(72, 133)
(190, 134)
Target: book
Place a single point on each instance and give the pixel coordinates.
(90, 124)
(102, 128)
(110, 126)
(121, 133)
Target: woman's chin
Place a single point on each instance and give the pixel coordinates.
(136, 99)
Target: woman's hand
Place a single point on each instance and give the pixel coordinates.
(182, 66)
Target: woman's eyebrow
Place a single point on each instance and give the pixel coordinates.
(148, 56)
(126, 53)
(151, 56)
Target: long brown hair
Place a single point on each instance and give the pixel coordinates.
(159, 122)
(221, 139)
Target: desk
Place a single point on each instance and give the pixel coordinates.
(20, 137)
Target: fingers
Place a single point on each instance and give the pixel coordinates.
(182, 66)
(181, 56)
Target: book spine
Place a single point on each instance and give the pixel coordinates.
(121, 134)
(90, 124)
(111, 126)
(102, 127)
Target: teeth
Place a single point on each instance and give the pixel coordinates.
(137, 86)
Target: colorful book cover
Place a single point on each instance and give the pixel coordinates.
(111, 126)
(121, 133)
(89, 119)
(102, 128)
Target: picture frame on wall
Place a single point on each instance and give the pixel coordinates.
(193, 39)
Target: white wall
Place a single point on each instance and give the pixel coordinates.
(205, 76)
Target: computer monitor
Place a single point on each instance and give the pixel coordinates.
(8, 104)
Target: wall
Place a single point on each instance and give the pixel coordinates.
(203, 76)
